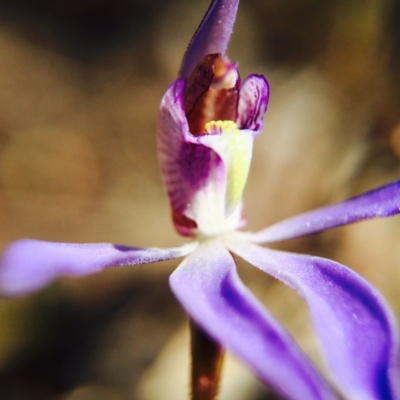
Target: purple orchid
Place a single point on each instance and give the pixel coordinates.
(208, 120)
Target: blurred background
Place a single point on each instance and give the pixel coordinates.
(80, 85)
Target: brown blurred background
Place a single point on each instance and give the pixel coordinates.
(80, 85)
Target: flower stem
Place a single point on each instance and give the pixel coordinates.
(207, 359)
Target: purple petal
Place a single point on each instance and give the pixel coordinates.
(176, 152)
(208, 287)
(185, 163)
(28, 265)
(253, 103)
(212, 36)
(354, 324)
(381, 202)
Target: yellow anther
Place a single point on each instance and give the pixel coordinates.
(219, 127)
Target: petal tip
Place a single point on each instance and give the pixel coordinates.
(19, 274)
(212, 36)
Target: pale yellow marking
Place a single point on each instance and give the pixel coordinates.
(234, 151)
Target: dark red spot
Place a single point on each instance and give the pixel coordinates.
(184, 225)
(204, 99)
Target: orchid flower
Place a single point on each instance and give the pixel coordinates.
(207, 123)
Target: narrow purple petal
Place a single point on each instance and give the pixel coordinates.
(28, 265)
(208, 287)
(212, 36)
(355, 326)
(381, 202)
(253, 103)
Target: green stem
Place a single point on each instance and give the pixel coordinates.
(207, 359)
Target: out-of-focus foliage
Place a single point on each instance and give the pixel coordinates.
(80, 84)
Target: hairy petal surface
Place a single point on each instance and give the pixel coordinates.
(212, 36)
(28, 265)
(380, 202)
(253, 103)
(208, 287)
(354, 324)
